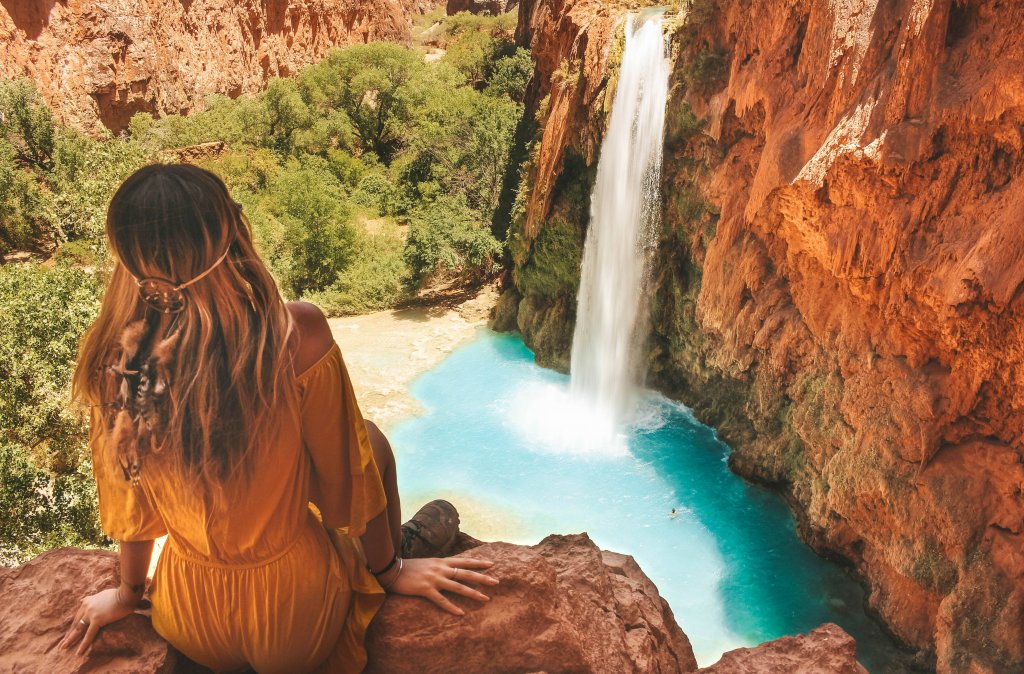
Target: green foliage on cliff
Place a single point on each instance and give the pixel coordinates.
(553, 269)
(47, 496)
(707, 71)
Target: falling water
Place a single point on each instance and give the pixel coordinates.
(624, 213)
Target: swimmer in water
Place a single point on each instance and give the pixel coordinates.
(674, 514)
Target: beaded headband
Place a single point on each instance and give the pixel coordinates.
(166, 297)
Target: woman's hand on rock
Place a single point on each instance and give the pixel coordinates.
(94, 612)
(430, 577)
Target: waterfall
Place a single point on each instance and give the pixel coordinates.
(624, 213)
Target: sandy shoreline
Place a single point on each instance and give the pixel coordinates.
(385, 351)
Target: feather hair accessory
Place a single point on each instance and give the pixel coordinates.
(141, 397)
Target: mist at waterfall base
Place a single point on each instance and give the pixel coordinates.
(730, 564)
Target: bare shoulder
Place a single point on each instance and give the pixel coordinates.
(313, 332)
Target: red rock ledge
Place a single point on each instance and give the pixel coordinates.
(563, 606)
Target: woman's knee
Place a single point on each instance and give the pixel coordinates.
(382, 453)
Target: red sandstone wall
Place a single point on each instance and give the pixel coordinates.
(98, 63)
(872, 231)
(848, 310)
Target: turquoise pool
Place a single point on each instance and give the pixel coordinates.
(729, 564)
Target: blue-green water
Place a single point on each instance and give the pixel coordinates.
(730, 564)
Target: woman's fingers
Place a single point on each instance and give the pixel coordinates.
(90, 634)
(468, 562)
(465, 576)
(443, 601)
(464, 590)
(463, 570)
(76, 629)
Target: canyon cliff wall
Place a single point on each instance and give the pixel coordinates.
(838, 281)
(98, 63)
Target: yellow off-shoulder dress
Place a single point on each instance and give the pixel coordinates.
(267, 581)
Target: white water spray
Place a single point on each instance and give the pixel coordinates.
(625, 210)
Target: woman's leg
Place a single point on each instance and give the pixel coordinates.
(385, 459)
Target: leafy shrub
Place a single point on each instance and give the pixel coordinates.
(376, 279)
(466, 22)
(311, 209)
(445, 238)
(553, 269)
(22, 204)
(26, 123)
(43, 312)
(376, 190)
(510, 75)
(684, 124)
(46, 495)
(707, 71)
(85, 175)
(41, 510)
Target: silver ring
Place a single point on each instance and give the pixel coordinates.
(82, 620)
(456, 574)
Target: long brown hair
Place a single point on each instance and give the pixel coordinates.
(195, 385)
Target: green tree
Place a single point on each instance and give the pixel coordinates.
(22, 204)
(376, 278)
(287, 113)
(26, 123)
(366, 82)
(446, 238)
(46, 490)
(510, 75)
(310, 206)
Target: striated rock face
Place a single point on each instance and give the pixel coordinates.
(838, 287)
(826, 650)
(98, 63)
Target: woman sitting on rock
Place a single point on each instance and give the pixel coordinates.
(225, 418)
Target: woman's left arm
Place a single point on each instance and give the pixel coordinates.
(113, 604)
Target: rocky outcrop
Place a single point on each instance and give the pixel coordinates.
(486, 7)
(838, 285)
(98, 63)
(563, 606)
(826, 650)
